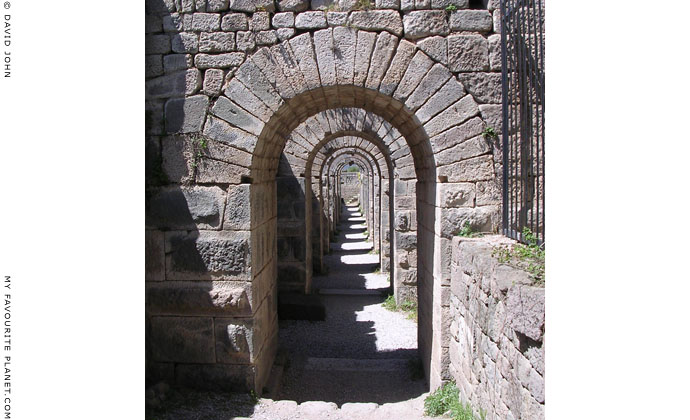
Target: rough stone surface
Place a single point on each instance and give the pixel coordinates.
(468, 53)
(493, 309)
(424, 23)
(377, 20)
(216, 42)
(185, 42)
(234, 22)
(222, 61)
(185, 115)
(310, 20)
(484, 87)
(203, 254)
(284, 20)
(471, 20)
(175, 84)
(182, 339)
(213, 81)
(435, 47)
(293, 5)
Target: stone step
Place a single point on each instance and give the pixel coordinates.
(353, 292)
(355, 365)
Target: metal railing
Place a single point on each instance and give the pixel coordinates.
(522, 77)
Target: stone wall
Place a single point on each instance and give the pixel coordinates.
(497, 332)
(351, 186)
(227, 83)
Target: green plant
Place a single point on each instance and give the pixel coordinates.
(364, 5)
(199, 144)
(467, 232)
(451, 8)
(390, 304)
(446, 399)
(489, 133)
(253, 397)
(409, 307)
(529, 256)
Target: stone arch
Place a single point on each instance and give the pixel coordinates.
(271, 93)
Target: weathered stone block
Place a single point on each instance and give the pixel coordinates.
(235, 115)
(468, 53)
(310, 20)
(228, 298)
(237, 216)
(157, 44)
(336, 18)
(284, 20)
(435, 47)
(377, 20)
(186, 115)
(174, 62)
(484, 87)
(455, 114)
(155, 256)
(260, 21)
(407, 241)
(266, 38)
(220, 130)
(187, 208)
(246, 41)
(473, 147)
(449, 93)
(495, 52)
(182, 339)
(174, 85)
(216, 42)
(213, 81)
(442, 4)
(285, 33)
(423, 23)
(293, 5)
(456, 194)
(525, 310)
(234, 341)
(471, 20)
(154, 65)
(234, 22)
(215, 5)
(207, 22)
(185, 42)
(207, 255)
(222, 61)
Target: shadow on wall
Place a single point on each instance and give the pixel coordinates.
(198, 306)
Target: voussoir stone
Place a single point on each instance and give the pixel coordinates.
(484, 87)
(377, 20)
(435, 47)
(421, 23)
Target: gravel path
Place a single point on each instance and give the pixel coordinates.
(357, 332)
